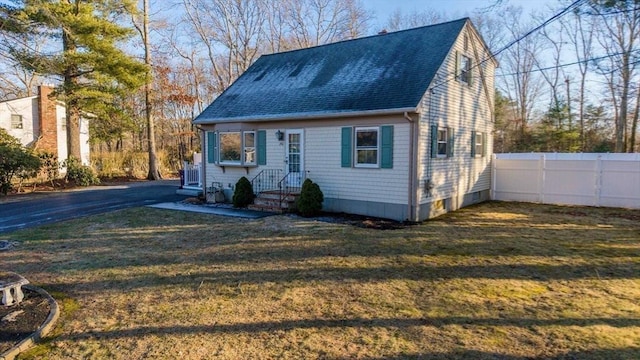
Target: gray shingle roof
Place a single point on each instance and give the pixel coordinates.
(390, 71)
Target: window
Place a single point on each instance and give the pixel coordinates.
(479, 144)
(230, 148)
(465, 69)
(246, 148)
(367, 147)
(249, 148)
(16, 121)
(443, 142)
(373, 147)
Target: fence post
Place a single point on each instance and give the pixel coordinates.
(541, 178)
(598, 180)
(492, 194)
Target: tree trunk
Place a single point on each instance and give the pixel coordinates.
(72, 106)
(153, 174)
(634, 126)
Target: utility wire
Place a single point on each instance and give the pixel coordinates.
(567, 64)
(569, 8)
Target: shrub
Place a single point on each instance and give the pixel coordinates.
(310, 201)
(50, 166)
(15, 160)
(243, 193)
(80, 174)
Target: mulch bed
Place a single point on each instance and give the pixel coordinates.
(35, 309)
(367, 222)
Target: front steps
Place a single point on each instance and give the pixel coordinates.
(269, 201)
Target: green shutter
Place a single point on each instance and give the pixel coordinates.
(473, 144)
(434, 141)
(347, 155)
(484, 144)
(386, 147)
(212, 147)
(457, 69)
(450, 142)
(262, 147)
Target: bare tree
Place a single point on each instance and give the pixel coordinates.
(154, 172)
(579, 32)
(519, 82)
(619, 36)
(400, 21)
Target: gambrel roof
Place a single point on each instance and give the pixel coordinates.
(376, 73)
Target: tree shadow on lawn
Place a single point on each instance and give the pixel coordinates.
(362, 274)
(599, 354)
(398, 323)
(306, 250)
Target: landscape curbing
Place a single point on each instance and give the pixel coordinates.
(43, 330)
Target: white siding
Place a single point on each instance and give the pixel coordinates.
(452, 103)
(322, 161)
(28, 108)
(229, 175)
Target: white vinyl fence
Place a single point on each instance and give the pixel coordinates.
(611, 180)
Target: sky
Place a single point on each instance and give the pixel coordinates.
(453, 8)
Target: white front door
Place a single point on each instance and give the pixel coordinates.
(294, 160)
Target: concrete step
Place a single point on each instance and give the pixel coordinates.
(270, 201)
(263, 208)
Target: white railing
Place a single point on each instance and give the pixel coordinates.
(192, 176)
(611, 180)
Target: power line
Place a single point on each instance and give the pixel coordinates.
(572, 6)
(568, 64)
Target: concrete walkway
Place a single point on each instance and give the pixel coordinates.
(215, 210)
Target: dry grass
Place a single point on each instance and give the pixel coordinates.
(499, 280)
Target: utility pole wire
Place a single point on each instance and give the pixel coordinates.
(569, 8)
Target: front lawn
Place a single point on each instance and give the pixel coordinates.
(498, 280)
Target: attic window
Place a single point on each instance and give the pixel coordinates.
(466, 42)
(465, 69)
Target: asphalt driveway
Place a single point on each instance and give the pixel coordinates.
(43, 208)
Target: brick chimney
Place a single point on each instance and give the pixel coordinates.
(47, 121)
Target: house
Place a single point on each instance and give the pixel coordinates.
(397, 125)
(39, 122)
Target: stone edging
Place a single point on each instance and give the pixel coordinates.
(43, 330)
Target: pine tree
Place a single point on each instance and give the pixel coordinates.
(89, 63)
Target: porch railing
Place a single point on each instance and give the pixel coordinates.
(291, 184)
(266, 180)
(192, 175)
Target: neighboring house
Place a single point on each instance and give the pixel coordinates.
(39, 122)
(397, 125)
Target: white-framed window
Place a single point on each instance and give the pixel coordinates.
(465, 69)
(443, 142)
(479, 144)
(367, 141)
(230, 148)
(16, 121)
(249, 147)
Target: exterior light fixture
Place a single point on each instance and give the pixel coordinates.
(279, 135)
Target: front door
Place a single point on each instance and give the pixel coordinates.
(294, 158)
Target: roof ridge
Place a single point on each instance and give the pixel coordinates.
(391, 33)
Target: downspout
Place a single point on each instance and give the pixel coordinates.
(203, 167)
(412, 190)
